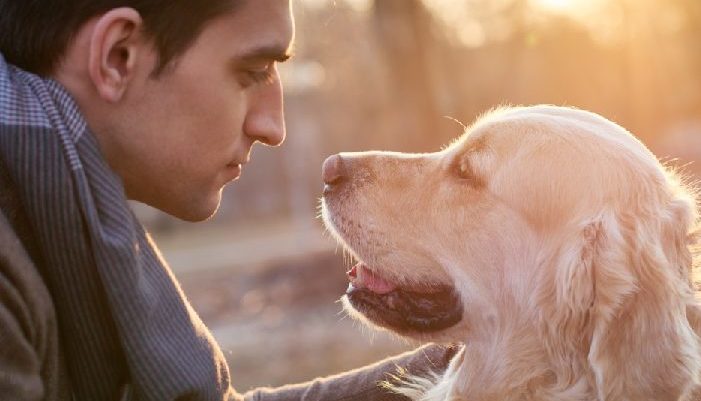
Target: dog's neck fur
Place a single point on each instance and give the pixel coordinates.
(507, 356)
(521, 357)
(511, 361)
(515, 363)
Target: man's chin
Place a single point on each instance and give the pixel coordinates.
(196, 216)
(201, 211)
(193, 209)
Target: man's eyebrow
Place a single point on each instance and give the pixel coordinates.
(275, 53)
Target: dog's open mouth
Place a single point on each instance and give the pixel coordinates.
(402, 309)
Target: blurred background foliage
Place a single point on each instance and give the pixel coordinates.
(396, 75)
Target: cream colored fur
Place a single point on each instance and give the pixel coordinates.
(568, 242)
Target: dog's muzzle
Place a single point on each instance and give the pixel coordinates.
(405, 311)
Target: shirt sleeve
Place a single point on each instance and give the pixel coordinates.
(363, 383)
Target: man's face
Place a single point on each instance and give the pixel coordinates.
(178, 138)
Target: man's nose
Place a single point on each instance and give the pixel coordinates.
(265, 120)
(332, 171)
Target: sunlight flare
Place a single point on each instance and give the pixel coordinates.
(566, 6)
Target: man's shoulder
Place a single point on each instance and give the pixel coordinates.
(20, 97)
(29, 102)
(20, 281)
(17, 267)
(30, 357)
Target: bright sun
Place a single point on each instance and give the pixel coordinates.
(557, 5)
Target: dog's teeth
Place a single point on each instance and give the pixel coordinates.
(391, 300)
(352, 273)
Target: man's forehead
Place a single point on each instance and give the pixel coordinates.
(265, 16)
(260, 28)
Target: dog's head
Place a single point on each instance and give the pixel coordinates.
(547, 219)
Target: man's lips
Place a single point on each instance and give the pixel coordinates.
(234, 170)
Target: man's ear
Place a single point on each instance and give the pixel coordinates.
(114, 47)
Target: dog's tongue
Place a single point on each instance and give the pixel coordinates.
(361, 277)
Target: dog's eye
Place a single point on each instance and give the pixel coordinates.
(465, 172)
(463, 169)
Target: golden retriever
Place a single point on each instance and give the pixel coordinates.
(548, 240)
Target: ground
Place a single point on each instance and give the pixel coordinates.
(269, 294)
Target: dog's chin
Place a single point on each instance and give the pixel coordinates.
(412, 312)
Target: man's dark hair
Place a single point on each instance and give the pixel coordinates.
(34, 34)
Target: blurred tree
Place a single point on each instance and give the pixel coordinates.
(413, 67)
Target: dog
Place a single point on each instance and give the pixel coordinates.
(549, 241)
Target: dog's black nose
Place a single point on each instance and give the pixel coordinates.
(332, 169)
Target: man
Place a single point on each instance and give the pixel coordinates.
(103, 101)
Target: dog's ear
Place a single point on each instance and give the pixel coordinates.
(630, 294)
(577, 296)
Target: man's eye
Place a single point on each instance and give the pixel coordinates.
(262, 75)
